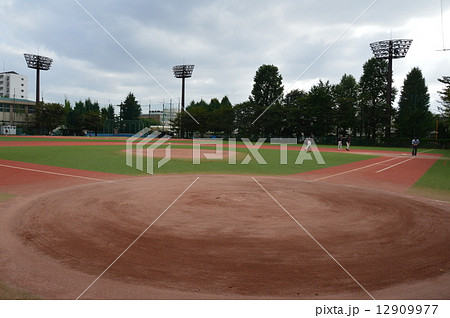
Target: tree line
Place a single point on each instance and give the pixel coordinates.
(89, 116)
(350, 107)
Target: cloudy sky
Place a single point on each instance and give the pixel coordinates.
(104, 49)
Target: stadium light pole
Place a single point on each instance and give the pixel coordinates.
(38, 63)
(390, 49)
(183, 72)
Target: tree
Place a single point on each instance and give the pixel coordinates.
(266, 97)
(444, 118)
(320, 109)
(414, 118)
(345, 96)
(130, 108)
(92, 120)
(297, 119)
(445, 96)
(243, 117)
(50, 115)
(372, 98)
(223, 117)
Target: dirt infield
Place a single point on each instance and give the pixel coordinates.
(225, 238)
(346, 232)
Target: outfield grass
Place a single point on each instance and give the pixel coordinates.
(111, 159)
(10, 293)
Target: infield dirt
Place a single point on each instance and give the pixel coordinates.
(225, 238)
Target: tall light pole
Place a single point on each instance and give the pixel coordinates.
(390, 49)
(183, 72)
(38, 63)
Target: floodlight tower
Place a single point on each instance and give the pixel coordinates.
(183, 72)
(38, 63)
(390, 49)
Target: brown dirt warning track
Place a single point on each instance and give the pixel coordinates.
(320, 235)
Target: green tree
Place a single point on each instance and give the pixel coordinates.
(372, 98)
(345, 96)
(92, 121)
(414, 117)
(244, 116)
(222, 118)
(445, 96)
(50, 115)
(130, 108)
(110, 112)
(266, 97)
(320, 109)
(444, 117)
(297, 119)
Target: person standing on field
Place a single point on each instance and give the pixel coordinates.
(348, 141)
(415, 144)
(339, 141)
(308, 144)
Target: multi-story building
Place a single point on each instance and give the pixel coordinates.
(13, 85)
(17, 112)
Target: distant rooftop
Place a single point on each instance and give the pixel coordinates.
(8, 99)
(9, 72)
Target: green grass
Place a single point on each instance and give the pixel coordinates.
(436, 181)
(10, 293)
(58, 139)
(5, 196)
(111, 159)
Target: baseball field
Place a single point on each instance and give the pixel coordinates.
(77, 222)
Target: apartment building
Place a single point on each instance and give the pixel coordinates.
(13, 85)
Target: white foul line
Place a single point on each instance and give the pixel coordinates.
(54, 173)
(356, 169)
(129, 246)
(392, 166)
(313, 238)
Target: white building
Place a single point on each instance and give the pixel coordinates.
(13, 85)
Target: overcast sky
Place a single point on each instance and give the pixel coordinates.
(226, 40)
